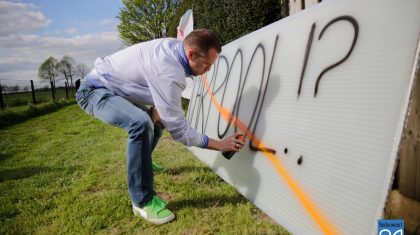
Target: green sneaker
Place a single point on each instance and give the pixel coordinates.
(155, 211)
(157, 168)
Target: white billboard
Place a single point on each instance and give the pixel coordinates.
(185, 27)
(323, 95)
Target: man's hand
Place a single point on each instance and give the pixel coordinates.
(154, 115)
(234, 142)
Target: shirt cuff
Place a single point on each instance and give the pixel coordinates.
(205, 142)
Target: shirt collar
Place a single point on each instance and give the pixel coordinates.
(183, 59)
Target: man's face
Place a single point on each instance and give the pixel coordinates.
(200, 64)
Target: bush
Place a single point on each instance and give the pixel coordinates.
(231, 19)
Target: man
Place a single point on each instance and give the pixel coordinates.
(151, 73)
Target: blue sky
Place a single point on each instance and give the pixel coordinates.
(33, 30)
(79, 14)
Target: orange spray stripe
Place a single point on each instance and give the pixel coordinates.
(325, 226)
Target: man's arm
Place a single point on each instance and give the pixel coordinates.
(231, 143)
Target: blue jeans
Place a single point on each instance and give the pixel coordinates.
(143, 136)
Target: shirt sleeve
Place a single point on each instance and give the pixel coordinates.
(166, 92)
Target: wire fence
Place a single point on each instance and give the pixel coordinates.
(15, 93)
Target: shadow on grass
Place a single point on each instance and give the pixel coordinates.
(207, 202)
(10, 118)
(5, 156)
(26, 172)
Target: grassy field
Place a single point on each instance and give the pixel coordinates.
(65, 173)
(21, 113)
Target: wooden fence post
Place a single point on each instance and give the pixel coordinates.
(33, 92)
(1, 98)
(405, 201)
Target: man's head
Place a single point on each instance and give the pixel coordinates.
(202, 49)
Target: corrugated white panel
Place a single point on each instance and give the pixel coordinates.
(346, 136)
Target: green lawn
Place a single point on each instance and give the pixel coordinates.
(65, 173)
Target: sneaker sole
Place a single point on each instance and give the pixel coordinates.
(142, 213)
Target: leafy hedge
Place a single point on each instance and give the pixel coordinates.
(231, 19)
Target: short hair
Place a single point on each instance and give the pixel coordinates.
(203, 40)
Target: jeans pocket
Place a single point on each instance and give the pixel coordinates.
(82, 98)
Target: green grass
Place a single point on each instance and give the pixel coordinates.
(19, 114)
(64, 173)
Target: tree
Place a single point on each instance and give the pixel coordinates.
(143, 20)
(48, 70)
(67, 67)
(81, 70)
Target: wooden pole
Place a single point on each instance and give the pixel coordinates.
(409, 155)
(1, 99)
(33, 92)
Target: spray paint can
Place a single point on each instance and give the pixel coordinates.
(229, 154)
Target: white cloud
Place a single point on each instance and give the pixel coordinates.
(22, 51)
(26, 52)
(107, 22)
(20, 17)
(71, 31)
